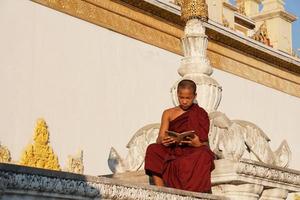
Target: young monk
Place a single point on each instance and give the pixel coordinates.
(186, 165)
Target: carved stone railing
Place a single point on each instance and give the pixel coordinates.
(248, 179)
(240, 180)
(19, 182)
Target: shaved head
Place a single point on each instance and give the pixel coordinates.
(187, 84)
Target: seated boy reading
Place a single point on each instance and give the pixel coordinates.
(182, 162)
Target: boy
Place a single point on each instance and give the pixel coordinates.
(186, 165)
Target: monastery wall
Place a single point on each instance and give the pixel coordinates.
(95, 87)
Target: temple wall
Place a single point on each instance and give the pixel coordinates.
(95, 87)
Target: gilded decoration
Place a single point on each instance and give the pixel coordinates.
(261, 34)
(241, 6)
(194, 9)
(120, 18)
(4, 154)
(40, 154)
(258, 66)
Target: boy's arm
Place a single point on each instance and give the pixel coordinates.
(163, 138)
(164, 126)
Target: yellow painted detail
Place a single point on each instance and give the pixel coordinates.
(40, 154)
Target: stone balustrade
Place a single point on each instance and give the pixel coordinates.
(241, 180)
(19, 182)
(248, 179)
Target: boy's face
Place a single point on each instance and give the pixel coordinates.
(186, 98)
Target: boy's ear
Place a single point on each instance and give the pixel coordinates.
(195, 99)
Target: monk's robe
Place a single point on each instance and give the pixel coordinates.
(182, 166)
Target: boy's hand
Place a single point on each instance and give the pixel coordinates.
(167, 141)
(194, 142)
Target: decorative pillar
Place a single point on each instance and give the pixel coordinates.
(194, 45)
(270, 5)
(279, 23)
(195, 64)
(252, 7)
(215, 12)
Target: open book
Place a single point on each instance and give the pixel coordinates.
(181, 136)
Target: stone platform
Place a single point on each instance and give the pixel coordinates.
(240, 180)
(243, 179)
(252, 180)
(19, 182)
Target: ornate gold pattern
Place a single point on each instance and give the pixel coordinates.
(194, 9)
(116, 17)
(262, 34)
(160, 31)
(40, 154)
(75, 163)
(253, 69)
(241, 6)
(4, 154)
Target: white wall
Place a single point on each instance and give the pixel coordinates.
(275, 112)
(95, 87)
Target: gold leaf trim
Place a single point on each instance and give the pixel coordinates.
(194, 9)
(261, 34)
(139, 24)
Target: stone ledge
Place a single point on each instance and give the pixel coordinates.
(247, 171)
(20, 182)
(241, 180)
(275, 13)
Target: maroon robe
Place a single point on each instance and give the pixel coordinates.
(184, 167)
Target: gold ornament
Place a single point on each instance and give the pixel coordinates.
(241, 6)
(40, 154)
(191, 9)
(262, 35)
(4, 155)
